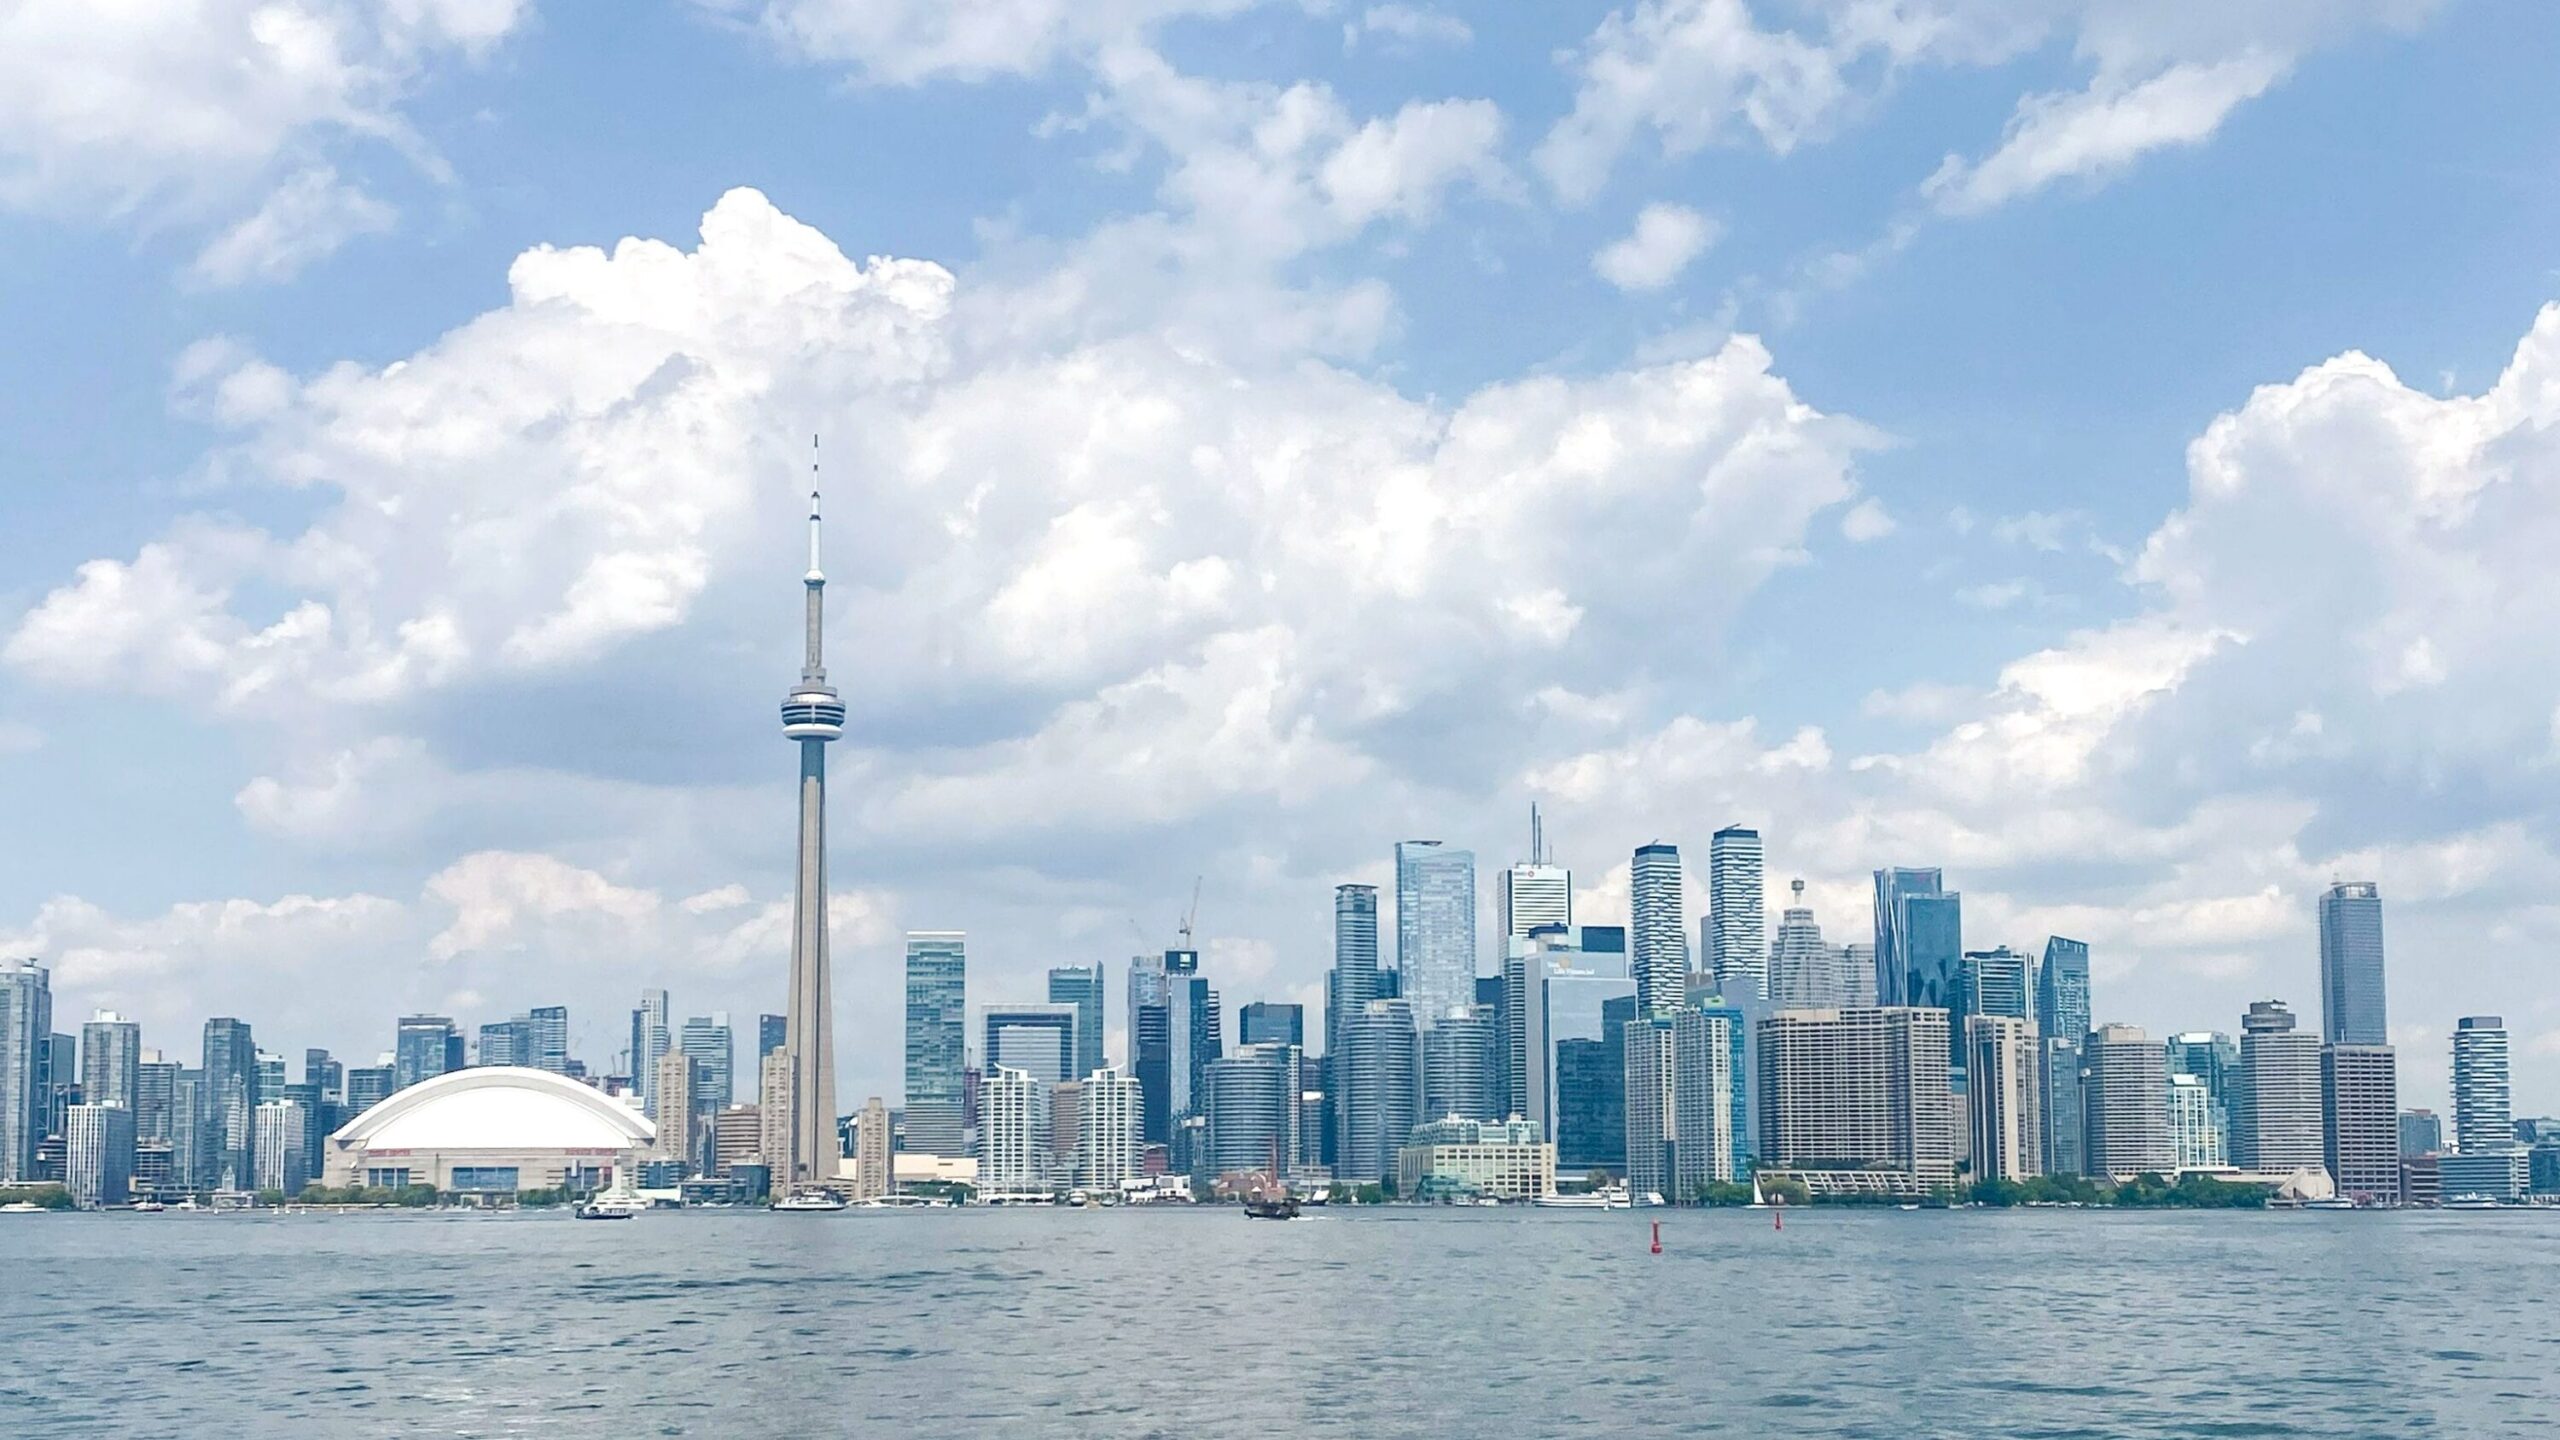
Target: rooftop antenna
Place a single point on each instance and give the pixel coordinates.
(1537, 836)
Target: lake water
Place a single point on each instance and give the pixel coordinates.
(1183, 1323)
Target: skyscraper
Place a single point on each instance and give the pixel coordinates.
(871, 1172)
(813, 716)
(1860, 1095)
(1920, 951)
(1995, 983)
(2005, 1103)
(1349, 987)
(1435, 927)
(425, 1048)
(283, 1146)
(2126, 1098)
(937, 1040)
(2196, 1133)
(1250, 1109)
(1458, 1066)
(2062, 990)
(111, 1061)
(2211, 1057)
(26, 1027)
(547, 1029)
(707, 1038)
(505, 1042)
(674, 1087)
(2483, 1115)
(1804, 972)
(1739, 958)
(1679, 1102)
(231, 1103)
(2421, 1133)
(155, 1111)
(2360, 1100)
(651, 1037)
(1380, 1073)
(2276, 1120)
(1039, 1040)
(1660, 938)
(1081, 986)
(98, 1149)
(1265, 1022)
(1107, 1131)
(1013, 1133)
(1536, 892)
(2351, 991)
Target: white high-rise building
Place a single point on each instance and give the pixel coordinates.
(1013, 1133)
(283, 1129)
(1435, 927)
(1658, 940)
(2195, 1127)
(1860, 1097)
(1739, 956)
(97, 1161)
(1107, 1130)
(2004, 1103)
(2276, 1121)
(2125, 1104)
(2483, 1112)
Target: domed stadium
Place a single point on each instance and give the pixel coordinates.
(494, 1129)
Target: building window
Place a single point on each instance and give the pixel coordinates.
(387, 1179)
(471, 1178)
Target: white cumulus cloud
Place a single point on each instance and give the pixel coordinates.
(1665, 239)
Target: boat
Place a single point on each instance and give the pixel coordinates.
(2338, 1202)
(2466, 1202)
(21, 1207)
(612, 1205)
(1583, 1200)
(1616, 1197)
(808, 1202)
(1283, 1206)
(148, 1207)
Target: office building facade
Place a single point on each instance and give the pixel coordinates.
(2352, 1011)
(2360, 1101)
(937, 1021)
(2197, 1137)
(1379, 1071)
(2125, 1104)
(26, 1031)
(1082, 987)
(1435, 927)
(2276, 1115)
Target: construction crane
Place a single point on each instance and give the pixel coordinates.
(1190, 916)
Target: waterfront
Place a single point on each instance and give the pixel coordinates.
(1387, 1322)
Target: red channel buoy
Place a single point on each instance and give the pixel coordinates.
(1657, 1237)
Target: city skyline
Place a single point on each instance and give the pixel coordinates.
(2140, 534)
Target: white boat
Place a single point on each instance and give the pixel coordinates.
(1585, 1200)
(148, 1207)
(21, 1207)
(614, 1204)
(808, 1202)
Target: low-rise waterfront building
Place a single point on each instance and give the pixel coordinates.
(1457, 1156)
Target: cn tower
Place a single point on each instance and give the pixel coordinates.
(813, 715)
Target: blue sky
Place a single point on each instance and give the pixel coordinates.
(1280, 430)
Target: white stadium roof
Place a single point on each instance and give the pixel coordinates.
(499, 1107)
